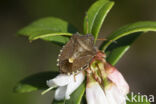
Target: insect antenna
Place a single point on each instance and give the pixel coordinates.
(104, 39)
(87, 22)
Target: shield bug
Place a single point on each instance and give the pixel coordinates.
(76, 54)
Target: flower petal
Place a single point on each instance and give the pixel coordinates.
(116, 77)
(60, 93)
(114, 96)
(74, 84)
(95, 94)
(60, 80)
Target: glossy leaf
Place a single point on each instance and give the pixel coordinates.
(34, 82)
(50, 29)
(95, 16)
(75, 97)
(117, 49)
(58, 38)
(83, 101)
(58, 102)
(100, 18)
(120, 41)
(138, 99)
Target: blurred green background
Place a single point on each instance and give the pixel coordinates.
(19, 58)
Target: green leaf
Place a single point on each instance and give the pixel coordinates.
(95, 16)
(120, 41)
(139, 99)
(100, 18)
(50, 29)
(75, 97)
(59, 40)
(50, 35)
(54, 37)
(34, 82)
(116, 50)
(58, 102)
(84, 101)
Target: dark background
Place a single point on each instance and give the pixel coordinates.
(19, 58)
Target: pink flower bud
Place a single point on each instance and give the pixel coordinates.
(116, 77)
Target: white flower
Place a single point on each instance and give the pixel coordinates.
(109, 95)
(95, 94)
(66, 84)
(114, 96)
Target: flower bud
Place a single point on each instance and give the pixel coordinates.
(116, 77)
